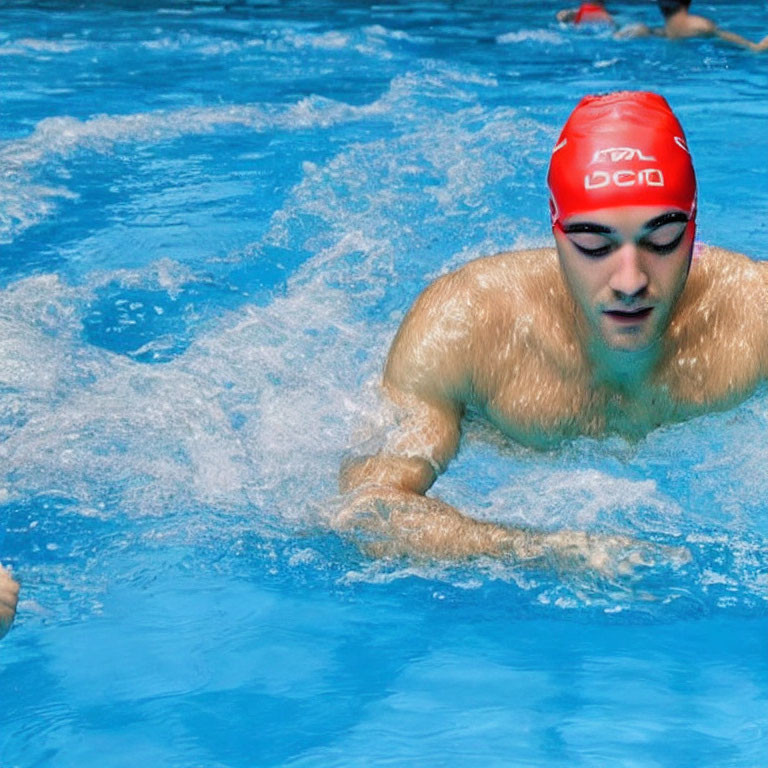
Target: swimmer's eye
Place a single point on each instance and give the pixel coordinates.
(591, 244)
(659, 241)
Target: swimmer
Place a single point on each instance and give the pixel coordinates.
(593, 12)
(623, 326)
(9, 596)
(679, 23)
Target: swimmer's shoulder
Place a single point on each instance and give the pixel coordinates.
(701, 25)
(719, 270)
(510, 275)
(689, 25)
(720, 329)
(515, 273)
(517, 301)
(515, 283)
(726, 291)
(463, 314)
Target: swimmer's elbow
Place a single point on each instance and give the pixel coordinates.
(403, 473)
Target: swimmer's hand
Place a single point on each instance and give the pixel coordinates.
(9, 596)
(609, 555)
(393, 523)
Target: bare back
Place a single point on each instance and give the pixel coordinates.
(684, 24)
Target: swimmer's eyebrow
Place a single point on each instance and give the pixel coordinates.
(666, 218)
(600, 229)
(587, 226)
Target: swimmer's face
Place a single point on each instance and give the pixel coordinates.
(626, 268)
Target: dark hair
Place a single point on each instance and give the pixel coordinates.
(671, 7)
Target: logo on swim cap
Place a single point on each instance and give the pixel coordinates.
(651, 177)
(617, 154)
(625, 148)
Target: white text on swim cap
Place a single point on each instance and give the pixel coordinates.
(649, 177)
(619, 154)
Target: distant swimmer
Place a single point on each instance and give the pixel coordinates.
(679, 23)
(9, 596)
(623, 326)
(593, 12)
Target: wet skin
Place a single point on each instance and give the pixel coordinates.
(625, 272)
(608, 333)
(682, 24)
(9, 595)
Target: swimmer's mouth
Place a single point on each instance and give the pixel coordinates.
(629, 315)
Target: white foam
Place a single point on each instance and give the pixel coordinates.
(534, 35)
(31, 45)
(581, 499)
(25, 203)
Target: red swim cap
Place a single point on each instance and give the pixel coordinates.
(624, 148)
(591, 12)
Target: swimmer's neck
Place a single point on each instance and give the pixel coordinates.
(622, 370)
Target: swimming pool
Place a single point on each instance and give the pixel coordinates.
(213, 218)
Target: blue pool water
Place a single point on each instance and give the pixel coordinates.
(212, 218)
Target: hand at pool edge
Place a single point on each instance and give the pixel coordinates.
(388, 522)
(9, 597)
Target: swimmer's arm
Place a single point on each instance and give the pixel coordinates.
(763, 319)
(425, 377)
(422, 378)
(732, 37)
(701, 25)
(637, 30)
(427, 439)
(386, 509)
(9, 596)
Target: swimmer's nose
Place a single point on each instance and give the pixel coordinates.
(629, 278)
